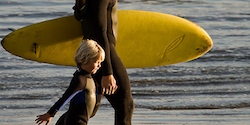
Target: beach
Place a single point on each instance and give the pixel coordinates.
(150, 117)
(211, 90)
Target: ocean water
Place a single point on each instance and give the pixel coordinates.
(214, 85)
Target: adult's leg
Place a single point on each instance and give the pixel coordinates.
(122, 100)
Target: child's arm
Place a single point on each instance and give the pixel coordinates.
(71, 91)
(43, 118)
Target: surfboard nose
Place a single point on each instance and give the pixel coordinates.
(208, 44)
(160, 39)
(202, 42)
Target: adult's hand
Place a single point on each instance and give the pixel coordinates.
(108, 85)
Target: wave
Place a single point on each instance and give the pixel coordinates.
(197, 107)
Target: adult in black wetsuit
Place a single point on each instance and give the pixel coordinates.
(98, 18)
(82, 89)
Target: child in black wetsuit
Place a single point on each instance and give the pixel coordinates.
(82, 90)
(99, 22)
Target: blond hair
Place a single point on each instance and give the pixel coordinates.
(88, 50)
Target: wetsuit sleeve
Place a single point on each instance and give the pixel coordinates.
(69, 93)
(103, 18)
(79, 9)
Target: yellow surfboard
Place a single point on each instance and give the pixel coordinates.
(145, 39)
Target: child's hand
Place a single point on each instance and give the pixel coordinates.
(43, 118)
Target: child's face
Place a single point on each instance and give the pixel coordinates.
(93, 65)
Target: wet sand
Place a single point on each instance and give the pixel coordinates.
(145, 117)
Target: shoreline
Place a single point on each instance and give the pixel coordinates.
(143, 117)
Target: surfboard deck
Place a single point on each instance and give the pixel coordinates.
(145, 39)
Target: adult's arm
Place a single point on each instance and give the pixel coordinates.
(102, 18)
(79, 9)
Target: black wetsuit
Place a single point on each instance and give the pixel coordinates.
(82, 99)
(97, 25)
